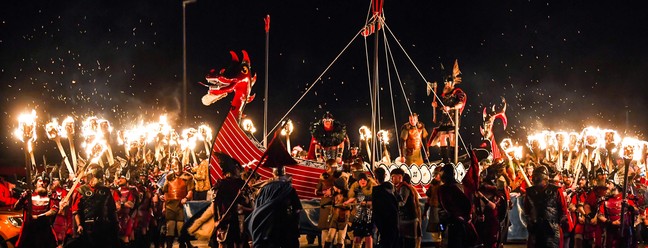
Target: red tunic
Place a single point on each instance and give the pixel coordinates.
(36, 232)
(63, 221)
(125, 194)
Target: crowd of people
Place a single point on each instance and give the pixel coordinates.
(142, 203)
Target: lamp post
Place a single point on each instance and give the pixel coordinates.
(184, 59)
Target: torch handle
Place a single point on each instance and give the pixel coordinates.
(73, 152)
(624, 194)
(65, 158)
(207, 150)
(111, 159)
(28, 167)
(524, 175)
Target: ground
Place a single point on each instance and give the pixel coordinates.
(203, 244)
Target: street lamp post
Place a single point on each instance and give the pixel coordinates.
(184, 59)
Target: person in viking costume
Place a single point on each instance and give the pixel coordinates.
(454, 101)
(36, 230)
(274, 222)
(125, 197)
(324, 190)
(457, 211)
(63, 221)
(228, 233)
(178, 189)
(95, 212)
(354, 157)
(329, 137)
(619, 230)
(546, 211)
(413, 133)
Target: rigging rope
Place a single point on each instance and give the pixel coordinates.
(391, 55)
(423, 77)
(391, 94)
(314, 83)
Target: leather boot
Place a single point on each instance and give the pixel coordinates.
(327, 244)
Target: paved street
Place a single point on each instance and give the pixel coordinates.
(204, 244)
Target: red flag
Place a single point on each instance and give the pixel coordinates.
(277, 155)
(267, 23)
(471, 180)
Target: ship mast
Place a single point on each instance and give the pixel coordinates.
(377, 17)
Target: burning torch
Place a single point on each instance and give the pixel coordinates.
(205, 134)
(67, 131)
(383, 137)
(52, 130)
(630, 150)
(286, 131)
(106, 129)
(365, 134)
(26, 132)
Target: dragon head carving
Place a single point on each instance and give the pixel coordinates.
(237, 78)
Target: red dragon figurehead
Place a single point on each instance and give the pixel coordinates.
(236, 77)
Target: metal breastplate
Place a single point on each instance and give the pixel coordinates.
(413, 138)
(331, 152)
(545, 205)
(177, 189)
(93, 203)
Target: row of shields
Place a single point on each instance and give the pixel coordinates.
(421, 174)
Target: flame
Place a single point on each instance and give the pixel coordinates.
(574, 140)
(189, 139)
(365, 133)
(517, 152)
(383, 136)
(288, 128)
(95, 149)
(562, 140)
(631, 148)
(67, 127)
(611, 137)
(248, 126)
(26, 131)
(549, 139)
(537, 140)
(591, 137)
(52, 129)
(204, 133)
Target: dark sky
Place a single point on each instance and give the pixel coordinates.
(562, 65)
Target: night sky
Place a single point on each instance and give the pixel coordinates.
(561, 65)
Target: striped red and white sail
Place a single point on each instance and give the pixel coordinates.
(233, 141)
